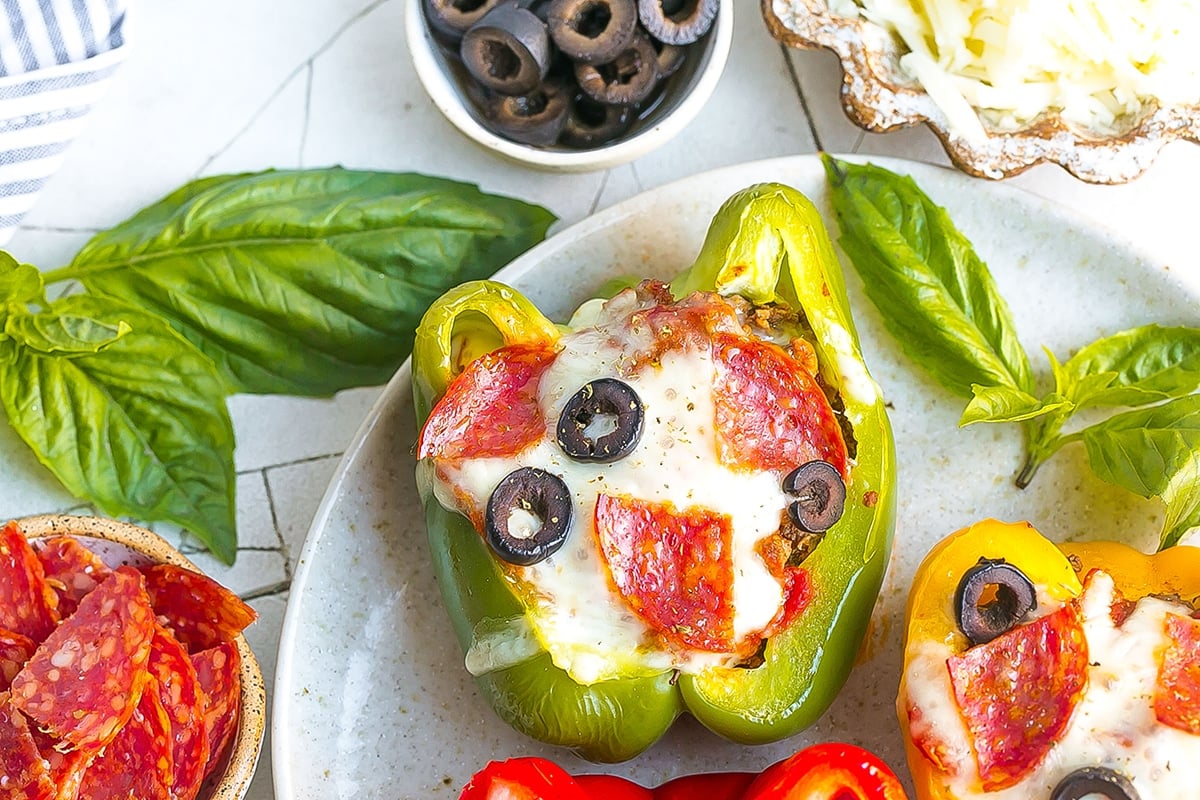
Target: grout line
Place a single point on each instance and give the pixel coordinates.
(293, 463)
(337, 34)
(812, 124)
(308, 90)
(57, 229)
(637, 179)
(269, 590)
(600, 191)
(284, 550)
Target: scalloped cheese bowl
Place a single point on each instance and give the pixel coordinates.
(121, 543)
(684, 95)
(1011, 86)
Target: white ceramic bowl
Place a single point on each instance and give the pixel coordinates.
(120, 543)
(689, 91)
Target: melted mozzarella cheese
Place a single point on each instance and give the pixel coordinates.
(1113, 725)
(575, 612)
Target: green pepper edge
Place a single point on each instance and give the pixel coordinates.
(791, 262)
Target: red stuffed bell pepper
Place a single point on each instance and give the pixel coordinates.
(832, 771)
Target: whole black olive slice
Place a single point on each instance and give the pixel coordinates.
(677, 21)
(992, 598)
(820, 496)
(1099, 781)
(528, 516)
(508, 51)
(536, 118)
(627, 79)
(590, 123)
(452, 18)
(593, 31)
(602, 422)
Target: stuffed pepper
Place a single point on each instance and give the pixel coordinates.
(1059, 672)
(829, 771)
(679, 501)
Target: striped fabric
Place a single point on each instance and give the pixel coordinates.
(56, 57)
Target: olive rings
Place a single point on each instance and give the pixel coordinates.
(820, 496)
(528, 516)
(571, 73)
(602, 422)
(1094, 781)
(992, 598)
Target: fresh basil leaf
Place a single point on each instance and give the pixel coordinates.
(65, 334)
(1006, 404)
(1136, 367)
(20, 284)
(310, 281)
(1182, 498)
(1143, 449)
(935, 294)
(138, 427)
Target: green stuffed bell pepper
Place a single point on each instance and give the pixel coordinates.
(682, 500)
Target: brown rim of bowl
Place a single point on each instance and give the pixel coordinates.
(874, 99)
(243, 755)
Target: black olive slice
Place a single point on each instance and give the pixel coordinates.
(602, 422)
(992, 598)
(508, 51)
(627, 79)
(593, 31)
(820, 496)
(670, 59)
(539, 7)
(536, 118)
(590, 123)
(452, 18)
(1098, 781)
(677, 21)
(528, 516)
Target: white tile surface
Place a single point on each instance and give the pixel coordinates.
(227, 85)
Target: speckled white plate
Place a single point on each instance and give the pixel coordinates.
(371, 699)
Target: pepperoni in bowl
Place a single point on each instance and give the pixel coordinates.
(123, 669)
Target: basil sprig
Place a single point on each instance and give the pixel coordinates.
(940, 302)
(299, 282)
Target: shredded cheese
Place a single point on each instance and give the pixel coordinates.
(1097, 62)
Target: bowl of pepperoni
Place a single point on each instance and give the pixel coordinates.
(123, 669)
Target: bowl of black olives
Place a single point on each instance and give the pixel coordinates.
(569, 85)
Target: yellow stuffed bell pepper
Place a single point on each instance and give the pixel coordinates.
(1037, 671)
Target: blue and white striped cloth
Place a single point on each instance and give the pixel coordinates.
(56, 57)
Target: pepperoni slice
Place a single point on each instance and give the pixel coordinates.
(491, 409)
(673, 567)
(84, 681)
(1177, 694)
(15, 650)
(219, 671)
(1017, 692)
(137, 763)
(66, 769)
(199, 611)
(71, 569)
(28, 606)
(23, 774)
(184, 701)
(770, 413)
